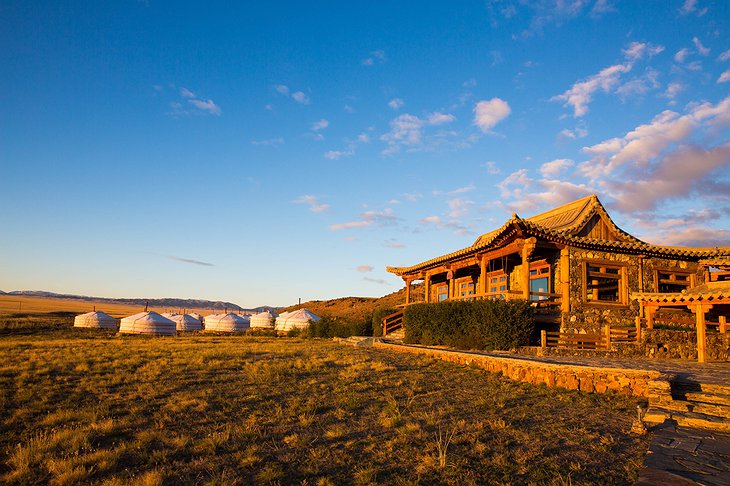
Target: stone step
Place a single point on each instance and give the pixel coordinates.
(657, 415)
(683, 387)
(708, 398)
(720, 411)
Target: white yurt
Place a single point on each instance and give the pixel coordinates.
(96, 320)
(298, 319)
(148, 323)
(281, 318)
(197, 316)
(226, 323)
(169, 315)
(263, 320)
(186, 322)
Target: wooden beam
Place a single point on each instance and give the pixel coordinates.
(723, 324)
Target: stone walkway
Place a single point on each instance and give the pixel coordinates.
(684, 456)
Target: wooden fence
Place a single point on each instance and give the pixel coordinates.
(598, 340)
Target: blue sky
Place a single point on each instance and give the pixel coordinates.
(261, 153)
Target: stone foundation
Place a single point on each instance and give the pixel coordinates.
(647, 384)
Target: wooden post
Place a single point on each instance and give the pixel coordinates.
(527, 249)
(543, 339)
(427, 288)
(565, 280)
(408, 291)
(638, 329)
(483, 276)
(701, 338)
(607, 332)
(723, 324)
(650, 317)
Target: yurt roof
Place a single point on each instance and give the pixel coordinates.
(187, 318)
(265, 315)
(227, 317)
(303, 314)
(98, 315)
(150, 317)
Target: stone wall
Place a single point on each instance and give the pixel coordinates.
(591, 317)
(647, 384)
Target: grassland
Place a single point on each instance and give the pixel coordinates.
(84, 406)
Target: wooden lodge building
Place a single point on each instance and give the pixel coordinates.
(581, 270)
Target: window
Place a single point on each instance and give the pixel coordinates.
(497, 283)
(539, 281)
(672, 280)
(604, 282)
(466, 288)
(442, 292)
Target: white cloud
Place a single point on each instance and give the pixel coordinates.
(207, 106)
(392, 243)
(637, 50)
(455, 192)
(682, 54)
(300, 97)
(553, 168)
(396, 103)
(578, 132)
(432, 220)
(488, 113)
(412, 196)
(459, 207)
(673, 89)
(363, 138)
(581, 93)
(702, 50)
(724, 56)
(688, 7)
(338, 154)
(405, 129)
(724, 77)
(320, 125)
(440, 118)
(314, 205)
(282, 89)
(364, 268)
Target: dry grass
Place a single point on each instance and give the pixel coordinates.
(79, 407)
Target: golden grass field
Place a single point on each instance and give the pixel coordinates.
(83, 406)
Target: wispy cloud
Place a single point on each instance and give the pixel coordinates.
(191, 104)
(701, 49)
(396, 103)
(581, 94)
(364, 268)
(406, 130)
(376, 280)
(375, 57)
(369, 218)
(724, 77)
(392, 243)
(455, 192)
(690, 7)
(553, 168)
(312, 201)
(269, 142)
(190, 261)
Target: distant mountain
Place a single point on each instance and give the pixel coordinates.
(163, 302)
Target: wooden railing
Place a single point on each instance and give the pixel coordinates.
(550, 339)
(392, 322)
(599, 340)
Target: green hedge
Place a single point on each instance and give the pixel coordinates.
(377, 322)
(328, 327)
(479, 324)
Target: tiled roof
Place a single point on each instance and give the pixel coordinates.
(712, 291)
(562, 225)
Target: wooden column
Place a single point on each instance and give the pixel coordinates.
(699, 310)
(723, 324)
(565, 280)
(482, 276)
(527, 249)
(408, 290)
(649, 311)
(427, 288)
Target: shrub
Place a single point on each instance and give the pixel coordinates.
(329, 327)
(377, 321)
(479, 324)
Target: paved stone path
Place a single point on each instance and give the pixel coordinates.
(685, 456)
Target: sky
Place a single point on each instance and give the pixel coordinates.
(261, 152)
